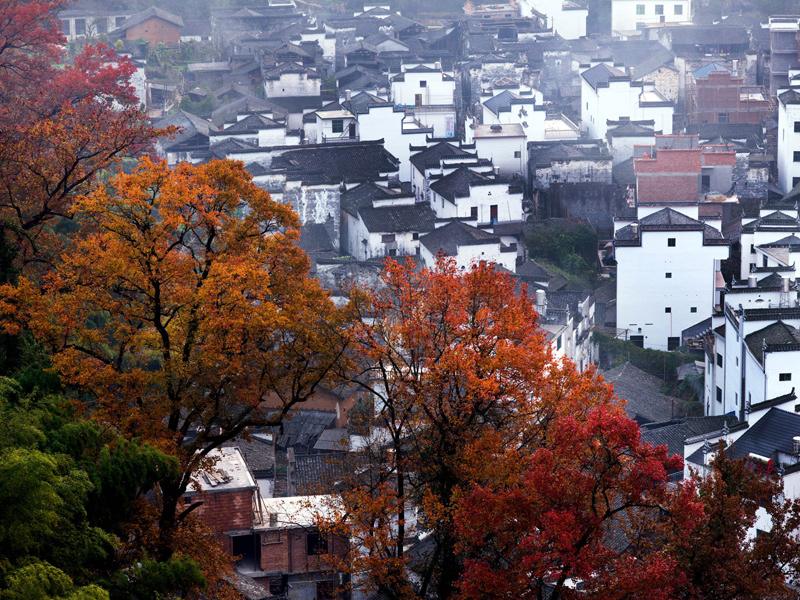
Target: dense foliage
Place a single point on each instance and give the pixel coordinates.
(570, 246)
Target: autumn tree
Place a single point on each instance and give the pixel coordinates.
(60, 124)
(184, 303)
(460, 375)
(564, 516)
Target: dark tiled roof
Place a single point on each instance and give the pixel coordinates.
(785, 242)
(673, 434)
(190, 126)
(318, 473)
(362, 102)
(642, 392)
(457, 184)
(349, 161)
(774, 431)
(430, 157)
(363, 194)
(599, 75)
(251, 124)
(398, 219)
(627, 128)
(258, 453)
(149, 13)
(542, 154)
(503, 101)
(455, 234)
(789, 97)
(314, 237)
(767, 404)
(776, 334)
(246, 104)
(302, 428)
(668, 219)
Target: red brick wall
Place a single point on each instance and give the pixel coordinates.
(668, 188)
(226, 511)
(671, 161)
(155, 30)
(287, 551)
(719, 158)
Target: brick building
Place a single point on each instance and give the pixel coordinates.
(723, 98)
(153, 24)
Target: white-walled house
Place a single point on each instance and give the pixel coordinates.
(769, 237)
(623, 135)
(507, 107)
(609, 94)
(568, 19)
(505, 145)
(788, 139)
(378, 221)
(466, 244)
(430, 92)
(633, 15)
(469, 196)
(289, 79)
(667, 265)
(252, 128)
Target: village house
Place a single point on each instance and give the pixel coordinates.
(631, 16)
(480, 199)
(608, 94)
(789, 139)
(153, 24)
(466, 244)
(430, 92)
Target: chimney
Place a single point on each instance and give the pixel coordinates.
(437, 65)
(752, 281)
(635, 229)
(796, 445)
(785, 284)
(630, 73)
(735, 68)
(348, 94)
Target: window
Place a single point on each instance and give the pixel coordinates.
(637, 340)
(752, 248)
(80, 26)
(423, 84)
(797, 126)
(316, 544)
(667, 309)
(640, 9)
(671, 242)
(678, 9)
(639, 26)
(415, 236)
(722, 118)
(719, 359)
(796, 156)
(705, 182)
(693, 309)
(668, 275)
(558, 343)
(65, 29)
(795, 181)
(101, 25)
(517, 153)
(119, 21)
(337, 126)
(392, 251)
(473, 212)
(659, 9)
(785, 377)
(719, 395)
(493, 214)
(387, 238)
(673, 343)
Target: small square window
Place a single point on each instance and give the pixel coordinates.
(678, 9)
(640, 9)
(337, 126)
(119, 21)
(639, 26)
(387, 238)
(415, 236)
(518, 153)
(423, 84)
(796, 156)
(797, 126)
(795, 181)
(659, 9)
(316, 544)
(668, 309)
(671, 242)
(668, 275)
(473, 212)
(785, 377)
(693, 309)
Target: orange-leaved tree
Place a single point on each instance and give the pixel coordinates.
(463, 382)
(184, 303)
